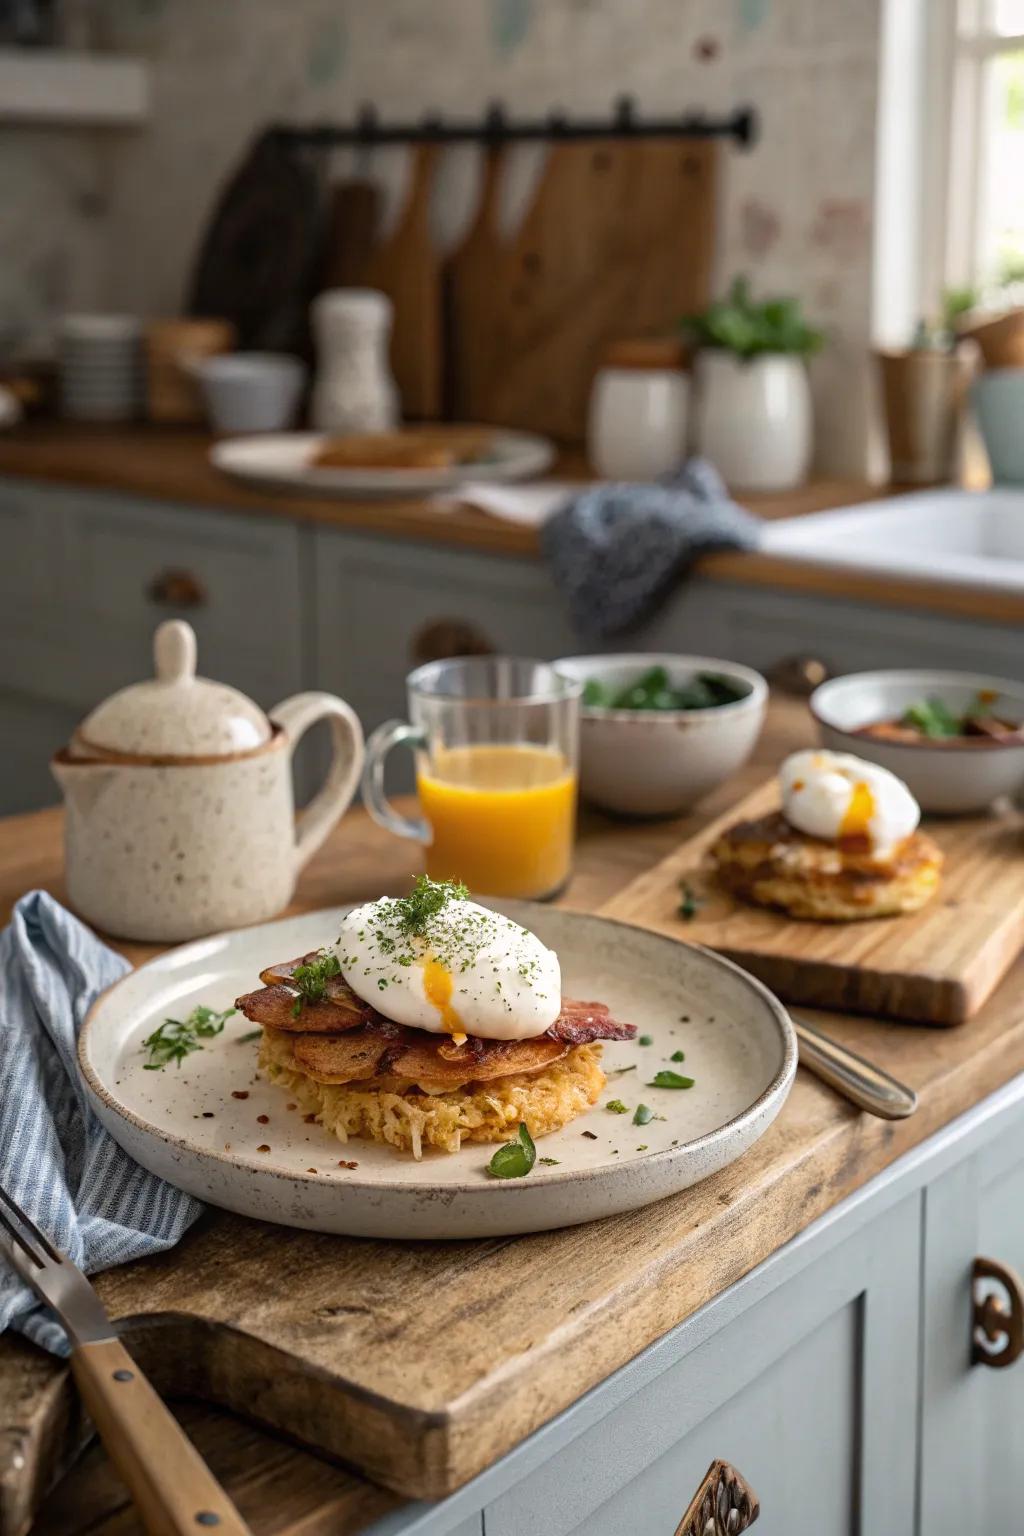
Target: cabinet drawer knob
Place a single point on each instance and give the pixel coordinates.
(997, 1331)
(440, 638)
(724, 1505)
(177, 589)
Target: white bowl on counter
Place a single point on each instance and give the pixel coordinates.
(955, 777)
(246, 392)
(660, 762)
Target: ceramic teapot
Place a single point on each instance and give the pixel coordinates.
(180, 811)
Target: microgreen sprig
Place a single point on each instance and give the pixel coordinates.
(177, 1038)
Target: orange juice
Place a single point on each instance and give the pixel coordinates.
(502, 818)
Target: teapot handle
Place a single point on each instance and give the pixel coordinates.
(332, 799)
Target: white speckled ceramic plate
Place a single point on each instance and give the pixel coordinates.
(283, 461)
(200, 1126)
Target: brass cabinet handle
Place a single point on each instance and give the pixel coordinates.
(799, 675)
(440, 638)
(177, 589)
(994, 1319)
(724, 1505)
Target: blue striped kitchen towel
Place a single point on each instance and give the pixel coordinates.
(98, 1206)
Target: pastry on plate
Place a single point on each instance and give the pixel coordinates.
(408, 448)
(845, 845)
(430, 1022)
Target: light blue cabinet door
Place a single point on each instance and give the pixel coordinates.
(811, 1393)
(385, 605)
(972, 1451)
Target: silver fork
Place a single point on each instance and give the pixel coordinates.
(173, 1489)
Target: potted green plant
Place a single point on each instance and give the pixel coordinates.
(924, 387)
(753, 415)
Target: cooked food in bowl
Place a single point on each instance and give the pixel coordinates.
(933, 720)
(955, 738)
(659, 731)
(845, 845)
(429, 1022)
(654, 690)
(409, 448)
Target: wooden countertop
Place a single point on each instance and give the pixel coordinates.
(170, 464)
(614, 1286)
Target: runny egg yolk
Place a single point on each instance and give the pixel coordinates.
(438, 986)
(856, 820)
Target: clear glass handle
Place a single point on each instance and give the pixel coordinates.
(392, 733)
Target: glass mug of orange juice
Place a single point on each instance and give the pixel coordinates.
(496, 741)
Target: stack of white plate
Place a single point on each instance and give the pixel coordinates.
(101, 377)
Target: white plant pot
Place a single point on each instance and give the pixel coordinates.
(754, 419)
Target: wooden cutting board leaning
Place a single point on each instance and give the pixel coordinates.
(936, 966)
(618, 241)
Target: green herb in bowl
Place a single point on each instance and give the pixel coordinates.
(654, 691)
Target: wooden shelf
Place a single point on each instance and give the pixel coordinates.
(50, 86)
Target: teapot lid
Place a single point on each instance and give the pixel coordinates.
(176, 714)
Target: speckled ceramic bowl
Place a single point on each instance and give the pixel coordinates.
(187, 1125)
(642, 763)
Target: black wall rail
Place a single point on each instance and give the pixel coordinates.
(496, 127)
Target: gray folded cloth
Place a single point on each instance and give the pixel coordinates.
(616, 551)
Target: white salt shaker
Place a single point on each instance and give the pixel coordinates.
(354, 389)
(639, 407)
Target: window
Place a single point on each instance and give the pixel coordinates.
(985, 243)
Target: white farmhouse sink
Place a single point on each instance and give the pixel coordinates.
(972, 538)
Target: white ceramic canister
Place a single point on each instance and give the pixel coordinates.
(180, 818)
(754, 419)
(639, 407)
(354, 389)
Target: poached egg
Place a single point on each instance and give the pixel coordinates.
(464, 971)
(835, 796)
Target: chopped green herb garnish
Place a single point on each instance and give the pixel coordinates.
(413, 912)
(516, 1158)
(310, 980)
(678, 1056)
(645, 1040)
(617, 1107)
(251, 1034)
(933, 719)
(619, 1071)
(548, 1162)
(177, 1038)
(643, 1115)
(667, 1079)
(689, 903)
(642, 1147)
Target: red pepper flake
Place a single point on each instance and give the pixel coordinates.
(343, 1164)
(207, 1114)
(291, 1106)
(239, 1093)
(263, 1147)
(262, 1119)
(312, 1170)
(309, 1119)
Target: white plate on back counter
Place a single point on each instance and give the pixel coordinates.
(185, 1124)
(283, 461)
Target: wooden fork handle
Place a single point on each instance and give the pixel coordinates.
(173, 1489)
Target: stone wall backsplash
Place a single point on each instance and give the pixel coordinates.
(796, 211)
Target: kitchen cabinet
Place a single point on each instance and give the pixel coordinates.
(836, 1377)
(280, 605)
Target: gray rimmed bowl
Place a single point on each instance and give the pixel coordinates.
(660, 763)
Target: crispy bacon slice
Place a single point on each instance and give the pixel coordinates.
(579, 1023)
(341, 1010)
(416, 1057)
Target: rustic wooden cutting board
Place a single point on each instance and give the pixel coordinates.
(406, 267)
(936, 966)
(617, 243)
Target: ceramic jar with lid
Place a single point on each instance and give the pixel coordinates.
(180, 817)
(639, 403)
(354, 389)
